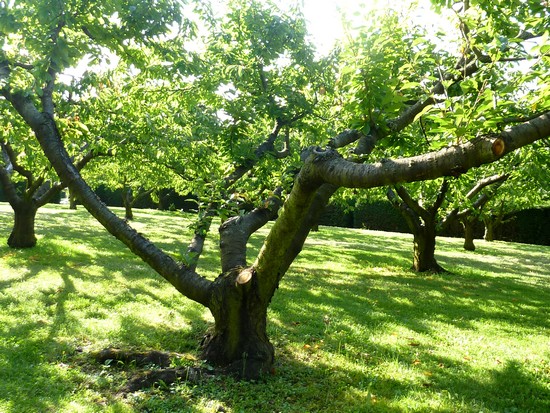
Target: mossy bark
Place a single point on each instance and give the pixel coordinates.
(238, 341)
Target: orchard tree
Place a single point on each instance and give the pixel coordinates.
(422, 217)
(472, 204)
(527, 187)
(27, 178)
(418, 92)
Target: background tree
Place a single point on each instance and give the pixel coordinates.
(239, 297)
(27, 178)
(474, 202)
(423, 221)
(526, 188)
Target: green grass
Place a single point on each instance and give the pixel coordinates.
(354, 329)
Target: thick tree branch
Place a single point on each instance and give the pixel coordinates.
(410, 216)
(47, 91)
(8, 187)
(450, 161)
(443, 189)
(344, 138)
(327, 166)
(408, 115)
(486, 182)
(235, 232)
(411, 203)
(8, 150)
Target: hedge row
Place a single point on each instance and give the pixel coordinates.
(530, 226)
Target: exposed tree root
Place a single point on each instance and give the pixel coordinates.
(137, 358)
(145, 376)
(167, 376)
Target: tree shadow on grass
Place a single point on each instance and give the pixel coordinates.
(318, 305)
(45, 308)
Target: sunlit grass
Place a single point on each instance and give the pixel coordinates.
(355, 330)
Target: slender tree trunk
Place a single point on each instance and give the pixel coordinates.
(128, 213)
(127, 202)
(73, 200)
(22, 234)
(469, 228)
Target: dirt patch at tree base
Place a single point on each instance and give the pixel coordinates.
(149, 368)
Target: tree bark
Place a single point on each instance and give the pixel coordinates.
(239, 341)
(22, 234)
(72, 202)
(127, 199)
(468, 224)
(489, 234)
(424, 250)
(422, 223)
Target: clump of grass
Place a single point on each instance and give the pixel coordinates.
(354, 329)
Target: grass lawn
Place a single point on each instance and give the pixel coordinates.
(354, 329)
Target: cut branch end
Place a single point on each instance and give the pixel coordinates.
(245, 276)
(498, 147)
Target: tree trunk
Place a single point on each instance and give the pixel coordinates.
(489, 230)
(22, 234)
(73, 200)
(127, 202)
(424, 250)
(469, 227)
(422, 223)
(238, 342)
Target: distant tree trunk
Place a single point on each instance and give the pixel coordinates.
(469, 228)
(489, 234)
(493, 221)
(422, 223)
(22, 234)
(467, 216)
(127, 201)
(72, 201)
(424, 249)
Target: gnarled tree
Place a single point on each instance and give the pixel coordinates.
(239, 297)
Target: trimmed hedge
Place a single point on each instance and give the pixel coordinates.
(531, 226)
